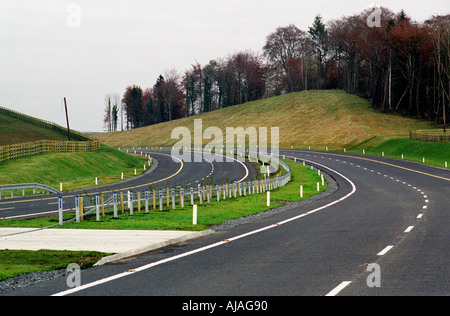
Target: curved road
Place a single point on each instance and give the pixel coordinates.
(388, 215)
(170, 172)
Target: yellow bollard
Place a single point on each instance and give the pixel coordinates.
(139, 202)
(103, 204)
(168, 198)
(81, 208)
(121, 203)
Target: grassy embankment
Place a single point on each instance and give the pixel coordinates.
(73, 170)
(14, 130)
(318, 119)
(435, 154)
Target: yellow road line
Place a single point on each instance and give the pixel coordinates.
(124, 189)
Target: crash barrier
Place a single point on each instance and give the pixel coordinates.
(10, 190)
(169, 198)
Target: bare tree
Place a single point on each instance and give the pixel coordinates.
(286, 48)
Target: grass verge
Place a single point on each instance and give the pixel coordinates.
(435, 154)
(17, 262)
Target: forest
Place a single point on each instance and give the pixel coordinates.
(398, 64)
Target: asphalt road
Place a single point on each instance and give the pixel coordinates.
(169, 172)
(388, 215)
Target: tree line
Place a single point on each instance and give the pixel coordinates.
(400, 65)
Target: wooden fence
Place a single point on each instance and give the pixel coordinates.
(44, 147)
(431, 135)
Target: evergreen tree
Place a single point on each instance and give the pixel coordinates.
(318, 33)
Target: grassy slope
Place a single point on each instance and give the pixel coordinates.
(316, 118)
(74, 170)
(313, 118)
(435, 154)
(14, 131)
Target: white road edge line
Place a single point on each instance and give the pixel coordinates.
(7, 209)
(29, 215)
(339, 288)
(154, 264)
(385, 251)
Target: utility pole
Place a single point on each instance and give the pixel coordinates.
(67, 118)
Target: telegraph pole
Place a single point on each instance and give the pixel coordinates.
(67, 118)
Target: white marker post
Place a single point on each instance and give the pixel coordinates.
(115, 204)
(130, 201)
(194, 215)
(301, 191)
(147, 197)
(77, 208)
(60, 210)
(268, 198)
(97, 207)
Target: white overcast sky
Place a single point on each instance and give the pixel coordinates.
(120, 43)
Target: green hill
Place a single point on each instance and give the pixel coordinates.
(20, 128)
(312, 118)
(316, 119)
(14, 131)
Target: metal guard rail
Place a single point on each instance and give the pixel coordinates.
(27, 186)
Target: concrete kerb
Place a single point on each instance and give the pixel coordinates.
(133, 253)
